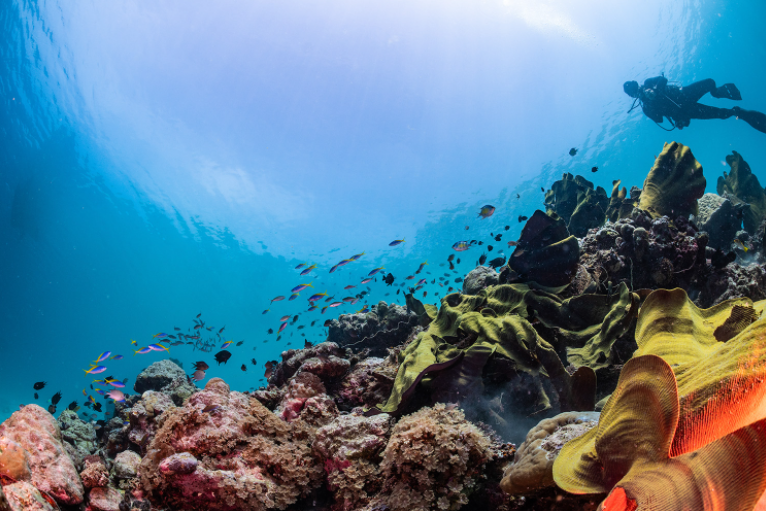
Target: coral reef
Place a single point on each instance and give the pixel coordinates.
(235, 455)
(79, 436)
(646, 305)
(350, 448)
(384, 326)
(479, 278)
(53, 471)
(574, 199)
(546, 253)
(433, 461)
(157, 375)
(674, 183)
(720, 219)
(741, 186)
(532, 467)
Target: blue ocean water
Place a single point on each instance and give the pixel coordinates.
(161, 160)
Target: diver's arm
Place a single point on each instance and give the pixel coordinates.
(652, 113)
(657, 83)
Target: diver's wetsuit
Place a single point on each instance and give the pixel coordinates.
(679, 104)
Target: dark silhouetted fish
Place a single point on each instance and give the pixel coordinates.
(482, 259)
(73, 406)
(222, 356)
(36, 396)
(497, 262)
(240, 343)
(56, 398)
(97, 407)
(271, 330)
(572, 151)
(40, 385)
(523, 218)
(244, 367)
(52, 409)
(594, 169)
(254, 362)
(389, 279)
(498, 237)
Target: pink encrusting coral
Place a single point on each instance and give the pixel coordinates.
(236, 456)
(53, 471)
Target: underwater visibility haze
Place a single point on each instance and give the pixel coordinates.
(216, 183)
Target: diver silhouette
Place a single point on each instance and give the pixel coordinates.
(659, 99)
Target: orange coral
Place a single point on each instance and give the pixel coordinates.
(633, 460)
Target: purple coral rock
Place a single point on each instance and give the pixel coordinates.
(182, 463)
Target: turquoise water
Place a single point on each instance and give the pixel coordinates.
(162, 160)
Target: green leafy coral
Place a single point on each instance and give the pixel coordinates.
(490, 336)
(575, 200)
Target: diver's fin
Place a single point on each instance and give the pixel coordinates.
(727, 91)
(755, 119)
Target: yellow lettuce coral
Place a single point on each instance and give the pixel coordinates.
(717, 410)
(630, 454)
(471, 330)
(674, 183)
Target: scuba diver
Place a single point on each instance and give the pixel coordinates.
(659, 99)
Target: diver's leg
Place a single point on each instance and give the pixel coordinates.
(694, 91)
(755, 119)
(697, 111)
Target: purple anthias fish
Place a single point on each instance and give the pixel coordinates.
(376, 270)
(95, 370)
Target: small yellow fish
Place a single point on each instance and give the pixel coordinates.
(132, 341)
(740, 244)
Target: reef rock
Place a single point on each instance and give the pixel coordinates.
(674, 183)
(574, 199)
(546, 253)
(115, 436)
(305, 398)
(350, 448)
(104, 499)
(94, 475)
(742, 185)
(434, 460)
(382, 328)
(23, 496)
(157, 375)
(143, 416)
(79, 434)
(53, 471)
(532, 468)
(235, 455)
(4, 505)
(14, 461)
(125, 465)
(326, 360)
(368, 383)
(479, 278)
(720, 219)
(179, 390)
